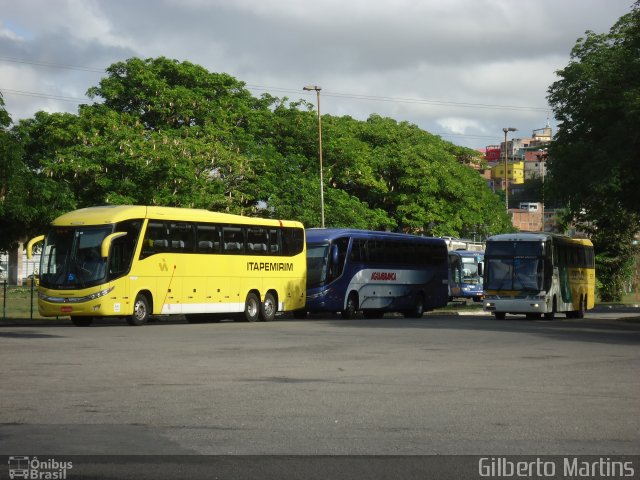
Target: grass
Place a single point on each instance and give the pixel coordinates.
(627, 299)
(16, 302)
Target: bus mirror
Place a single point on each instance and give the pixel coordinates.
(31, 243)
(106, 243)
(334, 255)
(480, 269)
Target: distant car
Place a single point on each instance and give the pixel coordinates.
(31, 279)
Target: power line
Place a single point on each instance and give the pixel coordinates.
(51, 65)
(355, 96)
(78, 100)
(44, 95)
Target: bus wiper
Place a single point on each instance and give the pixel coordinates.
(80, 272)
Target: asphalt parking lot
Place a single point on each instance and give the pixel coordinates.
(464, 384)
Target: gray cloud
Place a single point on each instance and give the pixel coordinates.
(482, 52)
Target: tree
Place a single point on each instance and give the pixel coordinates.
(172, 133)
(594, 158)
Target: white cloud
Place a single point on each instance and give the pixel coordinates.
(456, 57)
(459, 125)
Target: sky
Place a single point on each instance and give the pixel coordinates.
(461, 69)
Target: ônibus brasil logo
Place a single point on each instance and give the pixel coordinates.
(32, 468)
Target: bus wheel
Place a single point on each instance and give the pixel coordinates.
(351, 308)
(583, 307)
(418, 308)
(82, 321)
(500, 315)
(552, 314)
(251, 308)
(140, 311)
(268, 308)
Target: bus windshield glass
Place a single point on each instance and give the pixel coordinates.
(470, 271)
(317, 263)
(514, 266)
(71, 257)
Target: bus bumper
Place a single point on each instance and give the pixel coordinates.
(516, 305)
(60, 303)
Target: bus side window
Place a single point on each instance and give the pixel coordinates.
(376, 251)
(123, 248)
(155, 239)
(274, 242)
(292, 241)
(358, 251)
(208, 236)
(181, 237)
(233, 239)
(257, 241)
(335, 268)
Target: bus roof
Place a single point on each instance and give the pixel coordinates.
(537, 237)
(110, 214)
(320, 234)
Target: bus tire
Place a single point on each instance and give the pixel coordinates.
(81, 321)
(552, 314)
(251, 308)
(140, 314)
(351, 308)
(500, 315)
(417, 311)
(583, 306)
(268, 308)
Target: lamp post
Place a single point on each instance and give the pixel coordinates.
(542, 159)
(506, 178)
(317, 90)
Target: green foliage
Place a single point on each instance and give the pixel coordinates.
(172, 133)
(594, 158)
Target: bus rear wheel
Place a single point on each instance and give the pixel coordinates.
(140, 311)
(418, 308)
(583, 307)
(268, 308)
(251, 308)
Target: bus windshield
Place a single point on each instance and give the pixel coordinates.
(470, 270)
(515, 266)
(317, 263)
(520, 274)
(71, 257)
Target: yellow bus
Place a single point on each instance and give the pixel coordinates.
(137, 261)
(539, 274)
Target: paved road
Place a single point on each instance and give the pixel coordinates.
(437, 385)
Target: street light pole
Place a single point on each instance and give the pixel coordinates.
(506, 178)
(317, 90)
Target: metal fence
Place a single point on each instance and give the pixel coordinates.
(19, 302)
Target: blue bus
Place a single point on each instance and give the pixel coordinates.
(374, 272)
(465, 275)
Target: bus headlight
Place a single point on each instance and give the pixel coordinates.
(321, 294)
(86, 298)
